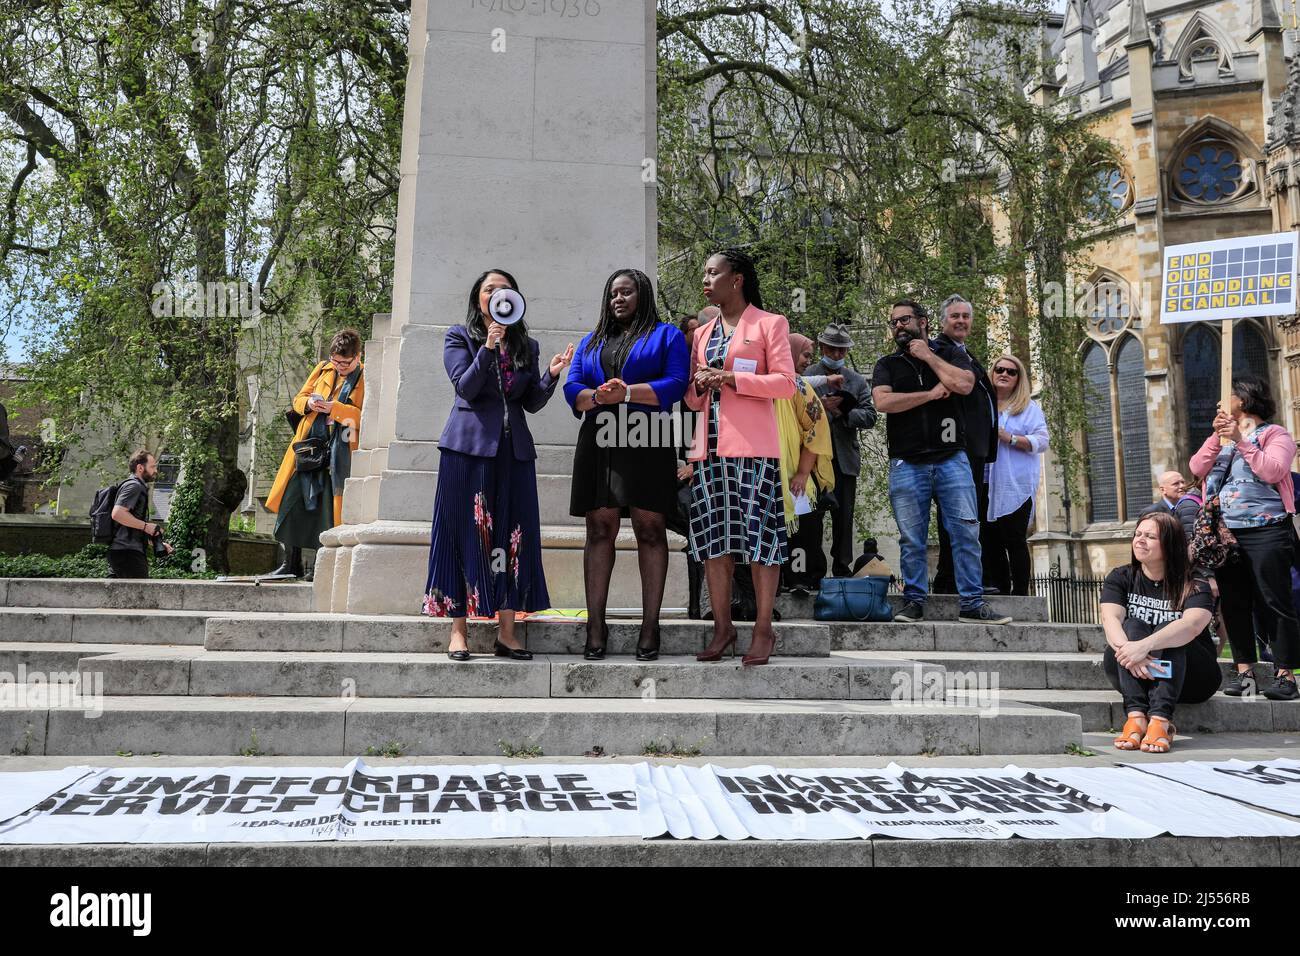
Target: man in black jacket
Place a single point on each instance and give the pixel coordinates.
(979, 409)
(916, 387)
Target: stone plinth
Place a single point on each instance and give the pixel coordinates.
(525, 144)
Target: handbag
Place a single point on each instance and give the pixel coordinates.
(853, 599)
(1213, 545)
(310, 454)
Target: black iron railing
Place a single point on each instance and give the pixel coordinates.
(1070, 600)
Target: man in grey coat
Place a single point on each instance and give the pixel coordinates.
(850, 411)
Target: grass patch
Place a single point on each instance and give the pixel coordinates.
(1074, 750)
(524, 751)
(254, 749)
(391, 749)
(670, 748)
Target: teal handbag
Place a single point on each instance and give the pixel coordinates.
(853, 599)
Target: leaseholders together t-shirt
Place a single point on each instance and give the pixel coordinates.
(1148, 608)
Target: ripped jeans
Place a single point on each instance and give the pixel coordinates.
(911, 489)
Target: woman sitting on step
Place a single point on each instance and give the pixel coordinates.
(1156, 613)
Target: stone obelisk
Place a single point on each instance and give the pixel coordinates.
(527, 144)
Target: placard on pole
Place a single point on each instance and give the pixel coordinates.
(1226, 279)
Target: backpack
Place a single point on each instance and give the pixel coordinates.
(102, 524)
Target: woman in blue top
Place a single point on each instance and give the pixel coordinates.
(625, 463)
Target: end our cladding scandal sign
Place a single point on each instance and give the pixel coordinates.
(1230, 279)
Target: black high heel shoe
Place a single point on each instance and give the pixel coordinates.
(592, 652)
(649, 653)
(514, 653)
(461, 655)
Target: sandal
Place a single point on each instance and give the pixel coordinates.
(1131, 736)
(1160, 736)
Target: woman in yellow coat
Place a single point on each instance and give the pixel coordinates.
(309, 502)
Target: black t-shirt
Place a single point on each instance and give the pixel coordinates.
(133, 495)
(1148, 609)
(930, 432)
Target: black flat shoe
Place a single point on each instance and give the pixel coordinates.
(514, 653)
(649, 653)
(459, 655)
(592, 652)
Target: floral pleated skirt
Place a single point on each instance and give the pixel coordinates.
(486, 552)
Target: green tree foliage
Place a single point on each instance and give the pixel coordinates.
(183, 179)
(864, 152)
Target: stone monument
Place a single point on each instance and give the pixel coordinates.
(527, 144)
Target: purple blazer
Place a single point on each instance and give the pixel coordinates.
(479, 414)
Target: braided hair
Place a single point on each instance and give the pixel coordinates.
(643, 322)
(742, 264)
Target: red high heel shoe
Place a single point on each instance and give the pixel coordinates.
(710, 654)
(753, 660)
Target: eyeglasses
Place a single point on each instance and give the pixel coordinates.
(1003, 370)
(901, 320)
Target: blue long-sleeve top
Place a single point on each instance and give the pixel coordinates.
(659, 359)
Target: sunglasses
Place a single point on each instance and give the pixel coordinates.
(1004, 370)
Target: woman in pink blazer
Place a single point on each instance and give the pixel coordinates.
(741, 362)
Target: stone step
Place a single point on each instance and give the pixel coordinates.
(938, 607)
(980, 638)
(334, 726)
(1043, 670)
(1033, 671)
(1103, 710)
(1160, 853)
(413, 634)
(200, 673)
(159, 595)
(101, 626)
(56, 658)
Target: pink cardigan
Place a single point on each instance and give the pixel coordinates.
(746, 417)
(1270, 461)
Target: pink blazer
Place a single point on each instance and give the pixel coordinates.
(746, 417)
(1271, 461)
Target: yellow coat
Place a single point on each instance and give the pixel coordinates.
(322, 381)
(802, 421)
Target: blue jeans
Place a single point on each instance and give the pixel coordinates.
(911, 489)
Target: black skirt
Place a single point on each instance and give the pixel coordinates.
(612, 475)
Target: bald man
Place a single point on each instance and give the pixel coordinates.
(1172, 487)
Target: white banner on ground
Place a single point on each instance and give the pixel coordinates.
(934, 803)
(359, 802)
(1270, 784)
(355, 802)
(19, 792)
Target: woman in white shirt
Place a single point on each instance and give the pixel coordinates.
(1012, 478)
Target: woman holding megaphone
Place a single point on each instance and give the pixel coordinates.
(485, 557)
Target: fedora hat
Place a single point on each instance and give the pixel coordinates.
(836, 336)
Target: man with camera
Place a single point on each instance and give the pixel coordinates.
(915, 387)
(133, 534)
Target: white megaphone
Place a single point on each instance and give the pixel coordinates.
(506, 306)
